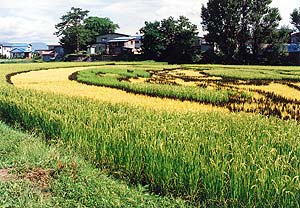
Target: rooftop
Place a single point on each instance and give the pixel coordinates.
(20, 50)
(294, 48)
(114, 34)
(121, 39)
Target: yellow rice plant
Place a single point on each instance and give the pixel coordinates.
(56, 81)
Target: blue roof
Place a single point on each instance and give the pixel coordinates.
(20, 50)
(294, 48)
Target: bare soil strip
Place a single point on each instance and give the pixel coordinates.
(4, 175)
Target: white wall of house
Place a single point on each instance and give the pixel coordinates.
(29, 47)
(91, 50)
(5, 51)
(130, 44)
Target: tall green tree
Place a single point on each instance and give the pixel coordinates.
(295, 18)
(76, 30)
(170, 40)
(264, 22)
(99, 26)
(154, 44)
(277, 53)
(244, 33)
(71, 31)
(221, 18)
(239, 27)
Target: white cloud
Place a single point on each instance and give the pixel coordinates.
(18, 29)
(130, 15)
(188, 8)
(32, 20)
(286, 8)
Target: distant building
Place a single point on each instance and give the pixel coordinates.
(16, 50)
(92, 49)
(295, 38)
(54, 53)
(203, 45)
(5, 50)
(130, 44)
(115, 44)
(102, 42)
(294, 48)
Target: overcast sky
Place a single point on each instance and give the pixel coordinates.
(34, 20)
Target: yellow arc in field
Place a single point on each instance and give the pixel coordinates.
(56, 81)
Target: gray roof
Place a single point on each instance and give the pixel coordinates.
(121, 39)
(113, 34)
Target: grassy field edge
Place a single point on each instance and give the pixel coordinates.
(34, 173)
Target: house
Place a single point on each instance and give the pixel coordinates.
(21, 51)
(16, 50)
(102, 42)
(138, 42)
(203, 45)
(295, 37)
(294, 48)
(115, 44)
(5, 50)
(48, 55)
(54, 53)
(131, 44)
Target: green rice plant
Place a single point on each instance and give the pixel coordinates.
(250, 72)
(212, 159)
(238, 160)
(112, 77)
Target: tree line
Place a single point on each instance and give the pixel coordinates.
(242, 32)
(246, 31)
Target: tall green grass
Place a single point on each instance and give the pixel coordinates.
(209, 158)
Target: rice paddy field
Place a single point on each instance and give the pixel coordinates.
(215, 136)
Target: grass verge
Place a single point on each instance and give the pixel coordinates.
(36, 174)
